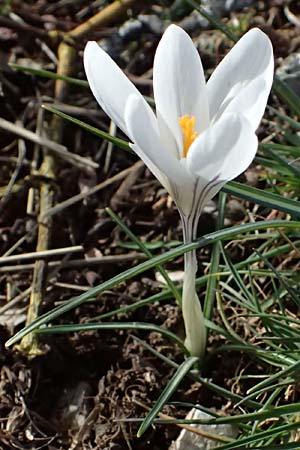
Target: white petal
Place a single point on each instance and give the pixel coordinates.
(108, 83)
(168, 138)
(190, 200)
(172, 174)
(179, 84)
(223, 152)
(142, 126)
(162, 178)
(251, 58)
(181, 189)
(251, 102)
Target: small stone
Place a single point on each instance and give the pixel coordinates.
(235, 210)
(152, 23)
(192, 441)
(7, 35)
(219, 7)
(194, 21)
(209, 207)
(238, 5)
(113, 46)
(131, 30)
(289, 71)
(176, 276)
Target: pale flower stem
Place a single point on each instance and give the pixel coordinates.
(195, 330)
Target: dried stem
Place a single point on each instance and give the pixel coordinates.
(66, 59)
(29, 343)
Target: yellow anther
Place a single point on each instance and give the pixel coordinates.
(187, 124)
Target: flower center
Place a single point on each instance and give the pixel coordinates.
(187, 124)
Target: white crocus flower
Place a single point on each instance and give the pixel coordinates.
(202, 135)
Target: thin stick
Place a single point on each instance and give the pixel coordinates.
(76, 263)
(79, 197)
(29, 343)
(41, 254)
(5, 198)
(66, 59)
(195, 430)
(23, 27)
(104, 17)
(15, 301)
(58, 149)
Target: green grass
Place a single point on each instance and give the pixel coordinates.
(250, 304)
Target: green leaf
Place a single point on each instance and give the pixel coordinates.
(50, 75)
(166, 294)
(208, 239)
(213, 20)
(92, 326)
(272, 432)
(102, 134)
(262, 415)
(279, 161)
(280, 87)
(272, 201)
(268, 199)
(195, 377)
(291, 150)
(147, 252)
(212, 282)
(169, 390)
(291, 370)
(292, 122)
(283, 90)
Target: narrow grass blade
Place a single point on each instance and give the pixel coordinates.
(212, 282)
(238, 280)
(280, 87)
(280, 447)
(102, 326)
(208, 239)
(169, 390)
(160, 297)
(213, 387)
(290, 290)
(279, 431)
(281, 162)
(267, 414)
(147, 252)
(102, 134)
(287, 95)
(255, 195)
(213, 20)
(292, 122)
(50, 75)
(291, 150)
(282, 373)
(272, 201)
(264, 390)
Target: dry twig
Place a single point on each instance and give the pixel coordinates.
(66, 58)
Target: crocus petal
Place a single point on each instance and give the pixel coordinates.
(251, 102)
(162, 178)
(109, 84)
(141, 124)
(179, 85)
(173, 174)
(249, 59)
(223, 152)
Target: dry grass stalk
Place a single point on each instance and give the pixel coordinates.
(66, 58)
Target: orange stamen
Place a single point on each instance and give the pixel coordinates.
(187, 124)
